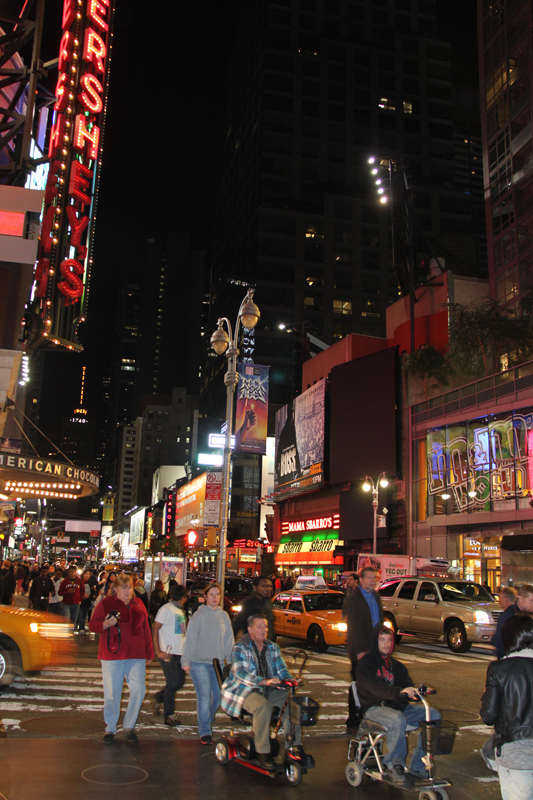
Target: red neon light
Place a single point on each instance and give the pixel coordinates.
(12, 223)
(41, 276)
(313, 524)
(78, 225)
(90, 98)
(69, 13)
(94, 49)
(81, 134)
(94, 8)
(73, 286)
(78, 184)
(65, 49)
(61, 93)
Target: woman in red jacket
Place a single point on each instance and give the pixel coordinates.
(124, 650)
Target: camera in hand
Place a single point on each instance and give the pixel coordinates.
(114, 613)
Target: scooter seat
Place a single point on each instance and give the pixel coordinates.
(369, 726)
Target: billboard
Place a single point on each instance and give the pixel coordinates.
(300, 427)
(198, 499)
(65, 251)
(251, 414)
(137, 526)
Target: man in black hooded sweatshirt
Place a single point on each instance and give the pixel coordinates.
(385, 688)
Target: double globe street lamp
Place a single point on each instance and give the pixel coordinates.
(368, 486)
(223, 341)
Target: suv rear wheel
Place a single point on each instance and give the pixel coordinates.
(456, 637)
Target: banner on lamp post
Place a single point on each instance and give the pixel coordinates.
(251, 416)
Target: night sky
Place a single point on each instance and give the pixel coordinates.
(162, 155)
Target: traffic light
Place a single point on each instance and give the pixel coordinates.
(192, 538)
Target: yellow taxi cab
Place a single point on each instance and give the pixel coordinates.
(31, 641)
(312, 613)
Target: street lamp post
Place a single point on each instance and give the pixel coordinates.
(368, 486)
(226, 342)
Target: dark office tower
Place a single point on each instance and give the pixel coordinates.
(172, 317)
(125, 355)
(505, 34)
(315, 88)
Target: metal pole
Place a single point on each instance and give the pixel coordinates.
(375, 491)
(230, 379)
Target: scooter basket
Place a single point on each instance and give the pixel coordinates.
(303, 710)
(438, 737)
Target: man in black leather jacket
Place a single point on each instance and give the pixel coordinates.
(508, 705)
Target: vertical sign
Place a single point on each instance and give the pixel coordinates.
(251, 417)
(75, 151)
(213, 490)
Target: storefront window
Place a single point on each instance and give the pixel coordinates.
(483, 464)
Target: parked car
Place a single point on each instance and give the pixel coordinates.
(236, 588)
(314, 616)
(460, 612)
(31, 641)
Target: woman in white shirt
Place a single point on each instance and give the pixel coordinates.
(169, 635)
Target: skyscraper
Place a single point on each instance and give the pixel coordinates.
(315, 88)
(505, 58)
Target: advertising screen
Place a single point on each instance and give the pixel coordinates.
(198, 499)
(299, 461)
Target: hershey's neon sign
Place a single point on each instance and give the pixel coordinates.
(314, 524)
(75, 159)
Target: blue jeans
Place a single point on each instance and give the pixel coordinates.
(396, 722)
(516, 784)
(174, 676)
(207, 695)
(72, 611)
(113, 673)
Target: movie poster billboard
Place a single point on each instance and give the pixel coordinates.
(300, 427)
(251, 415)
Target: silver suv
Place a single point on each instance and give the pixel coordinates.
(461, 612)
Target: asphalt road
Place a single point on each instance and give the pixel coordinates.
(59, 714)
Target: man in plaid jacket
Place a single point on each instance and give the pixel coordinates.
(257, 669)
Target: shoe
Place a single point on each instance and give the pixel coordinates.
(171, 721)
(206, 740)
(418, 774)
(306, 759)
(131, 736)
(351, 731)
(158, 707)
(398, 776)
(109, 738)
(265, 760)
(82, 633)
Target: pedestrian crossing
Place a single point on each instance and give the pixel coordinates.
(77, 690)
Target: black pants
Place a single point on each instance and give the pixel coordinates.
(354, 715)
(40, 604)
(175, 677)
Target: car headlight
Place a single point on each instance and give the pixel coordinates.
(236, 609)
(482, 617)
(337, 626)
(52, 630)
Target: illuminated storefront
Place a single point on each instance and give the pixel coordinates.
(472, 489)
(308, 545)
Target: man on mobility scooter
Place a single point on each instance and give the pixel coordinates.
(385, 687)
(257, 671)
